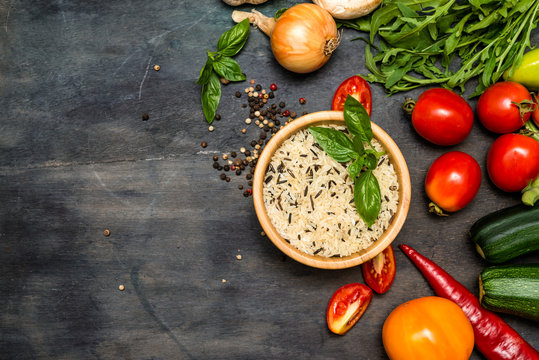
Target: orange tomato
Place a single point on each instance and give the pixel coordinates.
(428, 328)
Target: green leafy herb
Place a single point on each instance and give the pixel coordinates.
(220, 64)
(279, 12)
(419, 41)
(363, 160)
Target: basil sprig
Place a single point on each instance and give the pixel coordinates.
(359, 152)
(219, 64)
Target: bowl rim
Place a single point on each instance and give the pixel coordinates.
(398, 161)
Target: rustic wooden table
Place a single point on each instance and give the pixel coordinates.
(77, 159)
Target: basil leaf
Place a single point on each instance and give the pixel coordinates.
(371, 161)
(211, 94)
(356, 118)
(367, 197)
(232, 40)
(358, 145)
(335, 143)
(229, 69)
(205, 72)
(354, 169)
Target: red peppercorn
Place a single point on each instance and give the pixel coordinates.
(286, 113)
(232, 167)
(249, 191)
(302, 100)
(273, 87)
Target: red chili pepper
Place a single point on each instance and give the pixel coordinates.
(494, 338)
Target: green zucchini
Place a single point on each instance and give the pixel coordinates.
(511, 289)
(507, 233)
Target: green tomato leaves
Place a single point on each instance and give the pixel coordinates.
(362, 160)
(220, 64)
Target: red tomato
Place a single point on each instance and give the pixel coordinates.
(428, 328)
(379, 272)
(346, 307)
(512, 161)
(498, 110)
(442, 117)
(357, 87)
(453, 180)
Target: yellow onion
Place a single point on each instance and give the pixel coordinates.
(303, 37)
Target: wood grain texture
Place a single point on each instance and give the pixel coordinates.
(76, 159)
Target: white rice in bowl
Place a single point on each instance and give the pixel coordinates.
(309, 198)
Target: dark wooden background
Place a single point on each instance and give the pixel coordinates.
(76, 159)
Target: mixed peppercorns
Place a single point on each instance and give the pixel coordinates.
(266, 116)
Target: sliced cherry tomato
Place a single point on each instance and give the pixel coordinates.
(428, 328)
(512, 161)
(442, 117)
(346, 307)
(379, 272)
(452, 181)
(498, 107)
(357, 87)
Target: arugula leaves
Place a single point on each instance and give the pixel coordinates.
(220, 64)
(363, 159)
(418, 41)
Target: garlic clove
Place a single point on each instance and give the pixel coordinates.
(348, 9)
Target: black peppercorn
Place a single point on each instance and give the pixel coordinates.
(222, 176)
(217, 117)
(233, 154)
(250, 183)
(266, 128)
(263, 134)
(216, 165)
(282, 104)
(203, 144)
(215, 158)
(249, 176)
(240, 187)
(220, 168)
(277, 122)
(253, 144)
(227, 179)
(226, 167)
(145, 117)
(238, 172)
(245, 162)
(238, 94)
(271, 95)
(258, 87)
(245, 193)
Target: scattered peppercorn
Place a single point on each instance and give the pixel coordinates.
(282, 104)
(226, 167)
(258, 87)
(227, 179)
(215, 158)
(302, 100)
(106, 232)
(273, 87)
(211, 128)
(203, 144)
(238, 94)
(240, 187)
(145, 117)
(216, 165)
(121, 288)
(286, 113)
(217, 117)
(222, 176)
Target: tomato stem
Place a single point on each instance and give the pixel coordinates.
(530, 130)
(408, 105)
(530, 194)
(435, 209)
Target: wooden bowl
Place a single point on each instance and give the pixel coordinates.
(324, 118)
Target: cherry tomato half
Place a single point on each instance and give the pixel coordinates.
(379, 272)
(428, 328)
(357, 87)
(512, 161)
(346, 307)
(442, 117)
(453, 180)
(498, 109)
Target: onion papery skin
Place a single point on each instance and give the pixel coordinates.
(300, 38)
